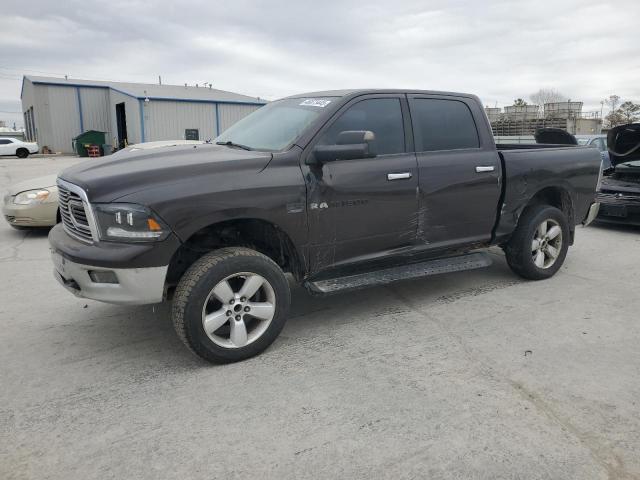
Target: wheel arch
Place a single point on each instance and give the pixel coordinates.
(22, 150)
(258, 234)
(556, 196)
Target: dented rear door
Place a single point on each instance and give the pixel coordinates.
(459, 171)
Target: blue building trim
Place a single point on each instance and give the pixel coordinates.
(170, 99)
(141, 103)
(217, 120)
(193, 100)
(80, 109)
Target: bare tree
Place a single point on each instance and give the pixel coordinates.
(612, 102)
(518, 102)
(629, 112)
(547, 95)
(614, 117)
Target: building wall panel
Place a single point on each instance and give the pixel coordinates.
(28, 100)
(57, 116)
(168, 120)
(95, 110)
(231, 113)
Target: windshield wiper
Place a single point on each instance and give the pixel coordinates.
(232, 144)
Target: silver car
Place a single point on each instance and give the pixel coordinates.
(32, 203)
(598, 141)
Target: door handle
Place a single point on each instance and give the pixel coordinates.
(398, 176)
(485, 169)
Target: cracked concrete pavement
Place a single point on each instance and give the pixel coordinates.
(467, 375)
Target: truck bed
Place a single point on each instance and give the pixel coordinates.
(528, 169)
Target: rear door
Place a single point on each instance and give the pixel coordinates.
(459, 171)
(363, 208)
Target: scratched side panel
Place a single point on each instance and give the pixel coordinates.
(528, 171)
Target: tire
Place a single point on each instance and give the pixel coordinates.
(528, 253)
(197, 301)
(22, 153)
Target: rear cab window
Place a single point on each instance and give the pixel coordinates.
(442, 124)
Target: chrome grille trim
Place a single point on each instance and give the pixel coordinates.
(607, 197)
(76, 212)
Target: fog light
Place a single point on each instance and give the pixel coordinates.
(97, 276)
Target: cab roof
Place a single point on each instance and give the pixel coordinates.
(357, 92)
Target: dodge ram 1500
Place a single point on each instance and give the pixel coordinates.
(340, 189)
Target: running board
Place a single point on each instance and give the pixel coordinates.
(468, 261)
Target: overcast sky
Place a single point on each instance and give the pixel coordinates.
(500, 50)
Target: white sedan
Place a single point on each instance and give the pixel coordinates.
(13, 146)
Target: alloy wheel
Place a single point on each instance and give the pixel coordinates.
(546, 244)
(238, 310)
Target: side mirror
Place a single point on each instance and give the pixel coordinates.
(350, 145)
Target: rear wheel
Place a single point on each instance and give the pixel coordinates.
(539, 244)
(231, 305)
(22, 153)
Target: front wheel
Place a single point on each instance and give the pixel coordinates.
(539, 245)
(231, 305)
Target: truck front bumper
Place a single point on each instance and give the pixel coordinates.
(128, 274)
(125, 286)
(592, 214)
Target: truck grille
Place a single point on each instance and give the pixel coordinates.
(607, 197)
(73, 214)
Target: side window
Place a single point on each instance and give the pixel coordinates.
(601, 144)
(4, 141)
(382, 116)
(442, 125)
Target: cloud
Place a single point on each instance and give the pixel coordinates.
(500, 50)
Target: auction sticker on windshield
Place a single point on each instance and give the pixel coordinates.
(315, 102)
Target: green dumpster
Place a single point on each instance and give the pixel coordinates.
(90, 137)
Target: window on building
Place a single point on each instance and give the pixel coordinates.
(442, 125)
(382, 116)
(191, 134)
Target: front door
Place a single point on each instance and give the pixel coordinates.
(361, 208)
(459, 172)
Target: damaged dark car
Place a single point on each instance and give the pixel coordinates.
(341, 190)
(619, 196)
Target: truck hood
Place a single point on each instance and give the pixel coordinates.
(108, 178)
(624, 143)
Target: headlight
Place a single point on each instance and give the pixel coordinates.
(128, 222)
(32, 196)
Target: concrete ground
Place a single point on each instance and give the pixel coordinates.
(467, 375)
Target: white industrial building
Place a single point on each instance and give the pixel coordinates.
(56, 110)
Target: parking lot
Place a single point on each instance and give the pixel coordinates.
(467, 375)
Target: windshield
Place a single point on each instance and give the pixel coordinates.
(276, 125)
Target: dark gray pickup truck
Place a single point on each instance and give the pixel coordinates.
(341, 189)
